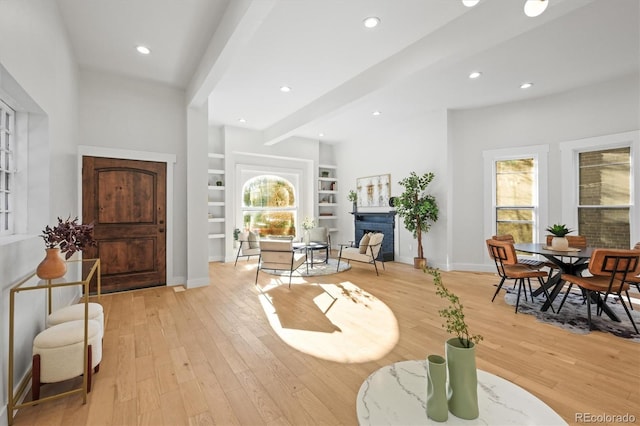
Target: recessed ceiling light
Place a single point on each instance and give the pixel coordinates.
(470, 3)
(143, 50)
(371, 22)
(242, 120)
(321, 134)
(526, 85)
(475, 74)
(533, 8)
(285, 89)
(376, 113)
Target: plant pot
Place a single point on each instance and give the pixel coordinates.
(559, 243)
(437, 408)
(355, 207)
(52, 266)
(419, 262)
(463, 379)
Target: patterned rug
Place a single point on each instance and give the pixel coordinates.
(573, 316)
(317, 269)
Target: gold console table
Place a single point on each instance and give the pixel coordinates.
(79, 273)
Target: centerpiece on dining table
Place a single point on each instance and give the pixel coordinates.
(559, 241)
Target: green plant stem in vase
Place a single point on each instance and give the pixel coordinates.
(460, 353)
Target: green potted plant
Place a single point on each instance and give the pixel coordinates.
(353, 197)
(418, 209)
(67, 237)
(460, 353)
(559, 240)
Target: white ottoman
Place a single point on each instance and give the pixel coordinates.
(76, 312)
(58, 353)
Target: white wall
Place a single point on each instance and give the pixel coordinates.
(35, 51)
(138, 115)
(397, 152)
(601, 109)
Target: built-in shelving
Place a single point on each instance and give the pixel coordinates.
(327, 196)
(216, 203)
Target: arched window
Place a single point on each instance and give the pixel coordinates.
(269, 206)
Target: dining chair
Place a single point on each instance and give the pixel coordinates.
(532, 263)
(503, 253)
(609, 270)
(633, 279)
(575, 241)
(279, 255)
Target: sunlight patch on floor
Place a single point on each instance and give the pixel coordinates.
(336, 322)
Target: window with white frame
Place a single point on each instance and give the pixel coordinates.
(604, 197)
(269, 206)
(599, 183)
(7, 169)
(515, 184)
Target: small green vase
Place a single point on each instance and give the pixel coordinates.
(437, 408)
(463, 379)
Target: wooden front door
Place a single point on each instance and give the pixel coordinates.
(126, 200)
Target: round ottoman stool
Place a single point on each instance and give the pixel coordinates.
(76, 312)
(58, 353)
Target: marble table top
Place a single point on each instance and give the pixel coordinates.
(396, 395)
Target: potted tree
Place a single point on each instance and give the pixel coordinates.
(418, 209)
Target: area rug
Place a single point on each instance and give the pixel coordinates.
(317, 269)
(573, 316)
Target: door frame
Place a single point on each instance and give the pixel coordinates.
(125, 154)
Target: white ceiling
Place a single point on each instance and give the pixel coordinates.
(417, 60)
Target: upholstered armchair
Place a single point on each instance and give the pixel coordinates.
(249, 245)
(366, 252)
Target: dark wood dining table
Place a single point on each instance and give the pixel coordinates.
(573, 262)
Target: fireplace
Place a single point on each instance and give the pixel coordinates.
(384, 222)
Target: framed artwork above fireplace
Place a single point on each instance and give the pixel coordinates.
(374, 191)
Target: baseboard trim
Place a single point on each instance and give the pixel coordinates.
(198, 282)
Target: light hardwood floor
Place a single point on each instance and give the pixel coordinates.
(224, 355)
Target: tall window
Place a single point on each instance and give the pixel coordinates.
(515, 198)
(269, 206)
(604, 197)
(7, 129)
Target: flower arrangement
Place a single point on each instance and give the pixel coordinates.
(453, 314)
(559, 230)
(69, 236)
(353, 196)
(308, 223)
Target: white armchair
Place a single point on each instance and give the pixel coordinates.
(279, 255)
(249, 245)
(367, 252)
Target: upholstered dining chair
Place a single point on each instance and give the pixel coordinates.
(532, 263)
(249, 245)
(279, 255)
(609, 270)
(633, 279)
(575, 241)
(503, 253)
(367, 251)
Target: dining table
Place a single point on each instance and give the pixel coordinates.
(572, 261)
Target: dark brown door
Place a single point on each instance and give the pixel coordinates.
(126, 200)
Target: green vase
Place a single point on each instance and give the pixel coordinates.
(463, 379)
(437, 408)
